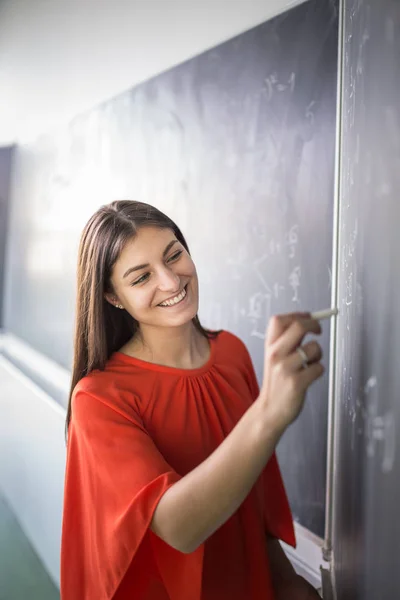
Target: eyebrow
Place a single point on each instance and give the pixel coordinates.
(138, 267)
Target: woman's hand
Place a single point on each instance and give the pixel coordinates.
(285, 381)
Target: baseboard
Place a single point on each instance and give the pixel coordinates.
(307, 557)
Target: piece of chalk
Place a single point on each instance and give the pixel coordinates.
(324, 314)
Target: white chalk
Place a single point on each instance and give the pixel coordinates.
(324, 314)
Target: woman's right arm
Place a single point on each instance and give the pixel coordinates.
(192, 509)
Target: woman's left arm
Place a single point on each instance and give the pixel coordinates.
(286, 582)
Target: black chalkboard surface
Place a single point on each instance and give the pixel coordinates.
(367, 527)
(237, 145)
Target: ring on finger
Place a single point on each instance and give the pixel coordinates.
(303, 356)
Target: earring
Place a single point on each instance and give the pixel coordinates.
(119, 306)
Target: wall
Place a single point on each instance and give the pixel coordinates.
(32, 458)
(6, 156)
(57, 59)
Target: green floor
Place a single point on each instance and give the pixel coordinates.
(22, 575)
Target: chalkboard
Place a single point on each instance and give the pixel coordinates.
(237, 145)
(367, 498)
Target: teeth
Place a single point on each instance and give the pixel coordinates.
(175, 300)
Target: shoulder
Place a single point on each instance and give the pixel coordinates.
(231, 344)
(102, 393)
(227, 337)
(97, 383)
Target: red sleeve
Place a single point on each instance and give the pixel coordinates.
(115, 477)
(277, 512)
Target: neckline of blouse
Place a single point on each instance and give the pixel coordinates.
(144, 364)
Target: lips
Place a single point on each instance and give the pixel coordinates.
(172, 297)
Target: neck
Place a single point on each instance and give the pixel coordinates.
(179, 347)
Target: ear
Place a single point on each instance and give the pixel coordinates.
(111, 298)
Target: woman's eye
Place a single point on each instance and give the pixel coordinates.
(141, 279)
(175, 255)
(145, 276)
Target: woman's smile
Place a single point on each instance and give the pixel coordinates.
(182, 302)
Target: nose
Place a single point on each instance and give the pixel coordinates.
(169, 281)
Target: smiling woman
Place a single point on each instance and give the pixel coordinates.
(161, 295)
(116, 299)
(171, 482)
(169, 272)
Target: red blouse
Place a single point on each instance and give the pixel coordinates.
(136, 429)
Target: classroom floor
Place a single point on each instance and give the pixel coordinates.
(22, 575)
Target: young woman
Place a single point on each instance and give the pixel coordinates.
(172, 488)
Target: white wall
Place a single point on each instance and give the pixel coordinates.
(32, 462)
(60, 58)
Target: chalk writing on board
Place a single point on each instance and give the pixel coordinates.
(380, 428)
(273, 85)
(349, 290)
(370, 385)
(390, 442)
(238, 312)
(353, 238)
(259, 271)
(260, 310)
(294, 281)
(261, 302)
(309, 113)
(274, 247)
(291, 240)
(360, 60)
(278, 289)
(384, 429)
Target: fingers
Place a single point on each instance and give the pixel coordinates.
(279, 323)
(285, 382)
(293, 365)
(293, 336)
(307, 376)
(313, 352)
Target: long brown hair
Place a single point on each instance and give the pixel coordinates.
(100, 328)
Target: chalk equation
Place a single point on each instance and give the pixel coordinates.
(273, 85)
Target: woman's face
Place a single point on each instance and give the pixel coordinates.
(166, 270)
